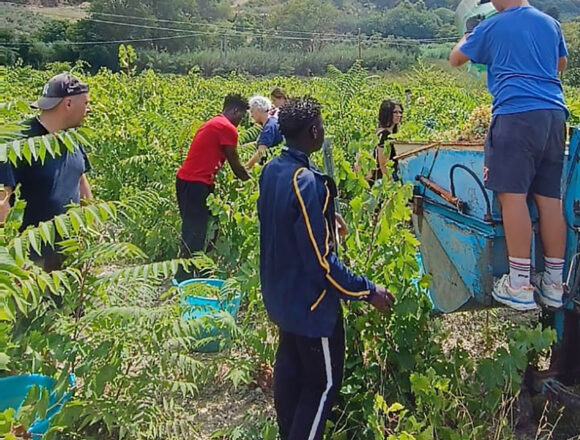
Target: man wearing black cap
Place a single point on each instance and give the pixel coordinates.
(47, 187)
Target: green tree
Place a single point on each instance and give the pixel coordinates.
(412, 20)
(8, 54)
(447, 16)
(449, 4)
(54, 30)
(572, 35)
(385, 4)
(309, 16)
(554, 12)
(190, 12)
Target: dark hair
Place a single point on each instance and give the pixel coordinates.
(386, 113)
(298, 114)
(234, 101)
(278, 92)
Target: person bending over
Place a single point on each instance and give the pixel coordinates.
(270, 135)
(214, 143)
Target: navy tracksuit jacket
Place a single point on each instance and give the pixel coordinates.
(302, 278)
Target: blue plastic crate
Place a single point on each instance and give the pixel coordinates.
(15, 390)
(198, 307)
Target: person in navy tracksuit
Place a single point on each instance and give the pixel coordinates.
(302, 277)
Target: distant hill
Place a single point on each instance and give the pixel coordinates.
(564, 9)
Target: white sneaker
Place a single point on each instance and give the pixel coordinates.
(550, 294)
(520, 299)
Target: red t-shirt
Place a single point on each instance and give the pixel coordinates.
(205, 157)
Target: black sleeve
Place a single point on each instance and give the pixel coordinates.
(383, 138)
(393, 153)
(88, 166)
(7, 176)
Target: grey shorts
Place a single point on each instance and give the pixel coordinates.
(524, 153)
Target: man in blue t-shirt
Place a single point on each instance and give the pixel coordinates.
(48, 186)
(524, 51)
(270, 136)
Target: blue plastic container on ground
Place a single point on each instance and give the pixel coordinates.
(198, 307)
(15, 390)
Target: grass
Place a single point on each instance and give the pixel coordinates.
(72, 13)
(19, 19)
(24, 20)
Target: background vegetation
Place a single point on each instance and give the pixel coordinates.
(261, 37)
(111, 318)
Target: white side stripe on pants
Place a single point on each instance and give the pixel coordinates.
(328, 368)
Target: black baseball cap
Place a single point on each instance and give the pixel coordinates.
(59, 87)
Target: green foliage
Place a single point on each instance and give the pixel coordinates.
(19, 20)
(572, 34)
(309, 16)
(127, 58)
(114, 328)
(110, 317)
(566, 9)
(259, 62)
(407, 19)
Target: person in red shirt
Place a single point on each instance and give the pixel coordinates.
(213, 144)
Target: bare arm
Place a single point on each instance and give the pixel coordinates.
(458, 58)
(85, 188)
(5, 194)
(382, 160)
(562, 64)
(257, 156)
(234, 161)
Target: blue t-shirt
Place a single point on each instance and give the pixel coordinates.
(270, 136)
(521, 47)
(46, 187)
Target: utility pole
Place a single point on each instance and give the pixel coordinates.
(359, 46)
(224, 44)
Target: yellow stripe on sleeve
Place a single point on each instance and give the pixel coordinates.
(318, 300)
(323, 263)
(344, 291)
(321, 259)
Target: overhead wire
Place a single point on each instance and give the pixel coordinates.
(265, 33)
(260, 29)
(94, 43)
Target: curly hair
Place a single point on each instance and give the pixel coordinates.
(234, 101)
(297, 114)
(386, 113)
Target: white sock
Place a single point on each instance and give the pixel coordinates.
(520, 272)
(553, 270)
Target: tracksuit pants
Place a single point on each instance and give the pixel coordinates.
(307, 378)
(192, 201)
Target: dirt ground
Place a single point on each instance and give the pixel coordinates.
(223, 407)
(480, 332)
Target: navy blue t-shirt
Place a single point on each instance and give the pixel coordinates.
(521, 47)
(46, 187)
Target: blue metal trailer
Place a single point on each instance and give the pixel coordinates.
(459, 225)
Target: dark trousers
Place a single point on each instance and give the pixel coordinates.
(49, 259)
(307, 378)
(192, 201)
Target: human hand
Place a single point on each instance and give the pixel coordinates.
(382, 300)
(341, 226)
(4, 207)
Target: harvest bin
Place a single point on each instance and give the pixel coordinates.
(15, 389)
(200, 307)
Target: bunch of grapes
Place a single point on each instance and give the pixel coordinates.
(478, 123)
